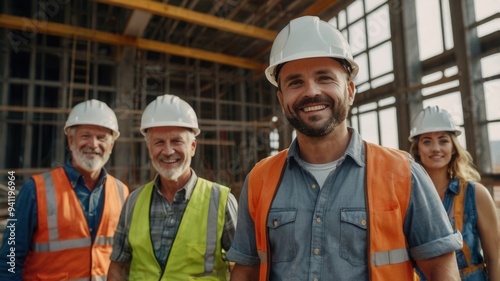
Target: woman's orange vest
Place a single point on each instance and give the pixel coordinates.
(388, 186)
(62, 248)
(458, 215)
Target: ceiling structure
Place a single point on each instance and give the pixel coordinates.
(236, 33)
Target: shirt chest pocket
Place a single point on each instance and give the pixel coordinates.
(281, 225)
(353, 225)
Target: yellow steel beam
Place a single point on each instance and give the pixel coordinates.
(190, 16)
(32, 27)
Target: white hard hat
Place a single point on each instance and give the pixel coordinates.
(308, 37)
(93, 112)
(433, 119)
(169, 110)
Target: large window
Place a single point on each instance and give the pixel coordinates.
(424, 66)
(366, 25)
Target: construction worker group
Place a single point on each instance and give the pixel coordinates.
(330, 207)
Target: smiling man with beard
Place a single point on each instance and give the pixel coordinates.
(66, 218)
(331, 206)
(178, 226)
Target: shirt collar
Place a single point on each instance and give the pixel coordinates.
(76, 177)
(355, 149)
(454, 185)
(187, 189)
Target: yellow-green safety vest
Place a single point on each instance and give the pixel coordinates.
(196, 252)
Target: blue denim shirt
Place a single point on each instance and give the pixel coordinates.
(26, 213)
(470, 231)
(320, 236)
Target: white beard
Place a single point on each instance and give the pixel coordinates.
(88, 162)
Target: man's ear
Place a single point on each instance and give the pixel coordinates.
(70, 138)
(351, 91)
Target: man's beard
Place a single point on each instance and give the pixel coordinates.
(170, 174)
(88, 163)
(339, 115)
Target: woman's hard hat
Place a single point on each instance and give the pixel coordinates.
(433, 119)
(169, 110)
(93, 112)
(308, 37)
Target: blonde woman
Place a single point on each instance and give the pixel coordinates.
(468, 203)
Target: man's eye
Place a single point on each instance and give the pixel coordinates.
(323, 78)
(294, 83)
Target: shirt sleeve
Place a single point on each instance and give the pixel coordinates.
(18, 234)
(230, 222)
(122, 252)
(244, 248)
(427, 226)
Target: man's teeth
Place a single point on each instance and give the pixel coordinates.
(313, 108)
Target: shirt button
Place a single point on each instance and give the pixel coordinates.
(363, 222)
(313, 186)
(275, 222)
(316, 251)
(318, 220)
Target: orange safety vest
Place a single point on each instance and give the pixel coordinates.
(62, 248)
(388, 186)
(458, 214)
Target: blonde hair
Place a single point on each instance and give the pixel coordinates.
(460, 166)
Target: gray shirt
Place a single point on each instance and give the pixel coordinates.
(321, 235)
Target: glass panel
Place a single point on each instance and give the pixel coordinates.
(389, 131)
(448, 31)
(386, 101)
(430, 42)
(492, 99)
(372, 4)
(363, 87)
(432, 77)
(381, 60)
(357, 37)
(451, 71)
(367, 107)
(485, 8)
(494, 136)
(490, 65)
(488, 28)
(382, 80)
(342, 19)
(362, 61)
(369, 126)
(441, 87)
(355, 11)
(379, 29)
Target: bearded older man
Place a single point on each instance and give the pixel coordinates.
(66, 218)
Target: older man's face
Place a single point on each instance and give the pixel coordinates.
(171, 150)
(90, 146)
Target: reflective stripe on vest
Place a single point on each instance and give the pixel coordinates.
(392, 166)
(191, 254)
(62, 243)
(212, 229)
